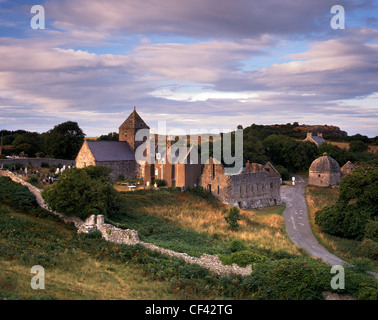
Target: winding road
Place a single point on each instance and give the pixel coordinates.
(298, 225)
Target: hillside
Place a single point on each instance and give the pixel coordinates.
(88, 267)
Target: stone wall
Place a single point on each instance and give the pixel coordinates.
(126, 168)
(37, 162)
(130, 237)
(254, 188)
(214, 180)
(85, 157)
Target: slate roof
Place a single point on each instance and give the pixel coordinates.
(110, 150)
(318, 140)
(134, 120)
(325, 164)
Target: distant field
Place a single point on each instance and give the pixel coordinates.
(342, 145)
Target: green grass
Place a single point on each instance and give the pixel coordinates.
(278, 210)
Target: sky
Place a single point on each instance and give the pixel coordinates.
(200, 64)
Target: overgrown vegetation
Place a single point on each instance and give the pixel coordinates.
(87, 267)
(83, 192)
(355, 213)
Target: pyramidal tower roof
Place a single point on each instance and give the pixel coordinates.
(134, 120)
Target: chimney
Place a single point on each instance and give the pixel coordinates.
(309, 134)
(320, 135)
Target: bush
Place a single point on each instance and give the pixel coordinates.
(81, 193)
(233, 217)
(369, 249)
(120, 177)
(371, 231)
(16, 195)
(33, 180)
(160, 183)
(237, 245)
(244, 258)
(361, 265)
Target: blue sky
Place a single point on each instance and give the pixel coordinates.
(209, 64)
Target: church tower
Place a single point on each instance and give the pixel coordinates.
(129, 128)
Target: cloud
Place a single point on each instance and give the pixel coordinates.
(198, 18)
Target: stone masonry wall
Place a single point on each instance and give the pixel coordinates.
(126, 168)
(254, 190)
(85, 157)
(37, 162)
(130, 237)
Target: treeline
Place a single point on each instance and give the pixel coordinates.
(289, 154)
(297, 131)
(63, 142)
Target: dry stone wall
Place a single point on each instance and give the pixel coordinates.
(37, 162)
(130, 237)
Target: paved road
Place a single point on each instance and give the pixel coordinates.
(297, 222)
(298, 225)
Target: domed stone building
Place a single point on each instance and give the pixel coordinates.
(324, 172)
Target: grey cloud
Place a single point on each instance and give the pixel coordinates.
(199, 18)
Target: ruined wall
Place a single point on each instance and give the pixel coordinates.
(255, 190)
(214, 179)
(37, 162)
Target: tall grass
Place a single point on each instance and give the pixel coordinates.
(199, 218)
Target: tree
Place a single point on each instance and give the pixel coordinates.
(358, 146)
(356, 205)
(64, 140)
(81, 193)
(233, 217)
(112, 136)
(28, 143)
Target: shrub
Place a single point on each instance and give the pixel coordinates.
(369, 249)
(244, 258)
(371, 231)
(233, 217)
(160, 183)
(45, 165)
(33, 180)
(120, 177)
(361, 265)
(237, 245)
(16, 195)
(79, 193)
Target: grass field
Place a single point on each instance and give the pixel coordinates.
(184, 222)
(317, 198)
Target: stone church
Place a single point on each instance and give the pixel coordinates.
(120, 156)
